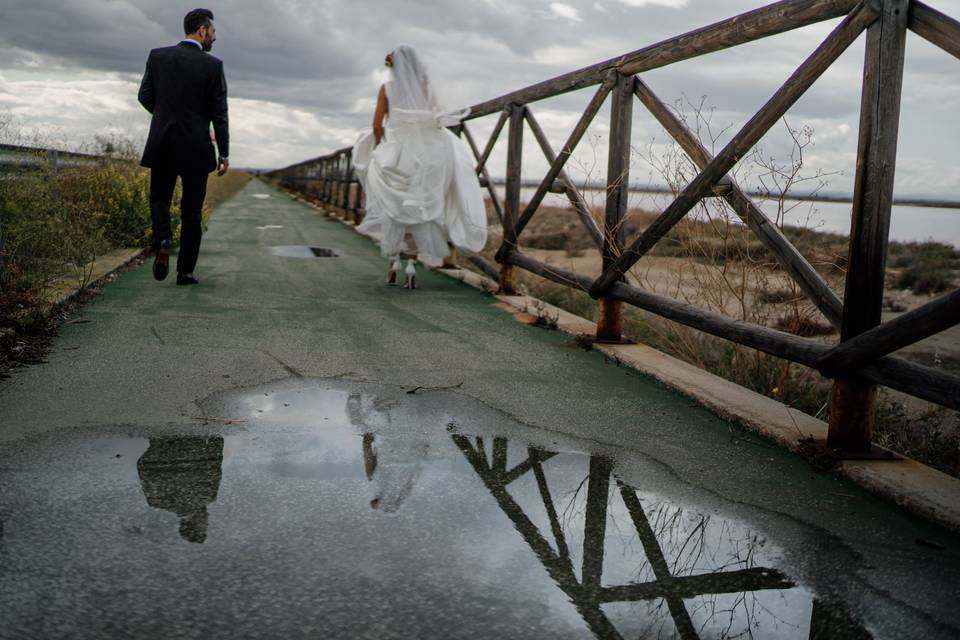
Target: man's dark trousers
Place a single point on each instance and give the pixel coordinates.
(163, 181)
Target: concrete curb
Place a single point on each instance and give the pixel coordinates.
(911, 485)
(103, 267)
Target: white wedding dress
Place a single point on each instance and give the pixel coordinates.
(419, 182)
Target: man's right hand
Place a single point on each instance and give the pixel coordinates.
(223, 166)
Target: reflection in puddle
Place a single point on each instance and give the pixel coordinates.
(402, 457)
(303, 251)
(630, 563)
(355, 510)
(182, 475)
(693, 575)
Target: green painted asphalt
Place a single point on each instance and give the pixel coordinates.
(148, 354)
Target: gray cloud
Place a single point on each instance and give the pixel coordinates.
(303, 73)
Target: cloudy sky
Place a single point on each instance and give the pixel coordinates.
(303, 74)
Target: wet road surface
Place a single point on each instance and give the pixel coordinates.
(243, 459)
(330, 509)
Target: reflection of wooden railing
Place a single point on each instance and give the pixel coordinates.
(862, 358)
(588, 593)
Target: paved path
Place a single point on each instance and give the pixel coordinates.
(240, 459)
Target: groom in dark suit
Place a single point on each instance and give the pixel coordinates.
(185, 90)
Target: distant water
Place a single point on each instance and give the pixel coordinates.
(907, 224)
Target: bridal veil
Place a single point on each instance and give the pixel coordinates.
(420, 180)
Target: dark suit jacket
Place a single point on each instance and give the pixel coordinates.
(185, 90)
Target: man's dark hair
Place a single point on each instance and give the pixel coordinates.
(196, 19)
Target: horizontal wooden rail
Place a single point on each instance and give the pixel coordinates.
(754, 25)
(738, 581)
(920, 381)
(777, 343)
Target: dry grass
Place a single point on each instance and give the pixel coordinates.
(57, 221)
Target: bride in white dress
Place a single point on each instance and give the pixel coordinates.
(418, 178)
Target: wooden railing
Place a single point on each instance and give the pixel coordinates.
(861, 360)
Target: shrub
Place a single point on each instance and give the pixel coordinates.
(54, 221)
(927, 267)
(924, 278)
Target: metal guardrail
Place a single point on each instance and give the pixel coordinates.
(861, 360)
(15, 157)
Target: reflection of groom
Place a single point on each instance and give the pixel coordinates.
(182, 475)
(185, 90)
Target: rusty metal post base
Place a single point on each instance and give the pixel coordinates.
(852, 415)
(508, 280)
(609, 321)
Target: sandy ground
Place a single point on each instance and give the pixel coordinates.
(682, 279)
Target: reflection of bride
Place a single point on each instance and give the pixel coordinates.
(418, 178)
(392, 463)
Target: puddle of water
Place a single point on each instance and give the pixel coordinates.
(350, 510)
(261, 196)
(303, 251)
(268, 227)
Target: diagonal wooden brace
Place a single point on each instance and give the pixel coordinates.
(935, 27)
(790, 260)
(482, 159)
(798, 83)
(573, 194)
(911, 327)
(557, 166)
(485, 180)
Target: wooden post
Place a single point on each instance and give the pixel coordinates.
(328, 185)
(337, 177)
(323, 182)
(511, 209)
(345, 183)
(853, 404)
(610, 313)
(338, 191)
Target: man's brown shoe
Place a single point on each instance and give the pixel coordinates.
(161, 261)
